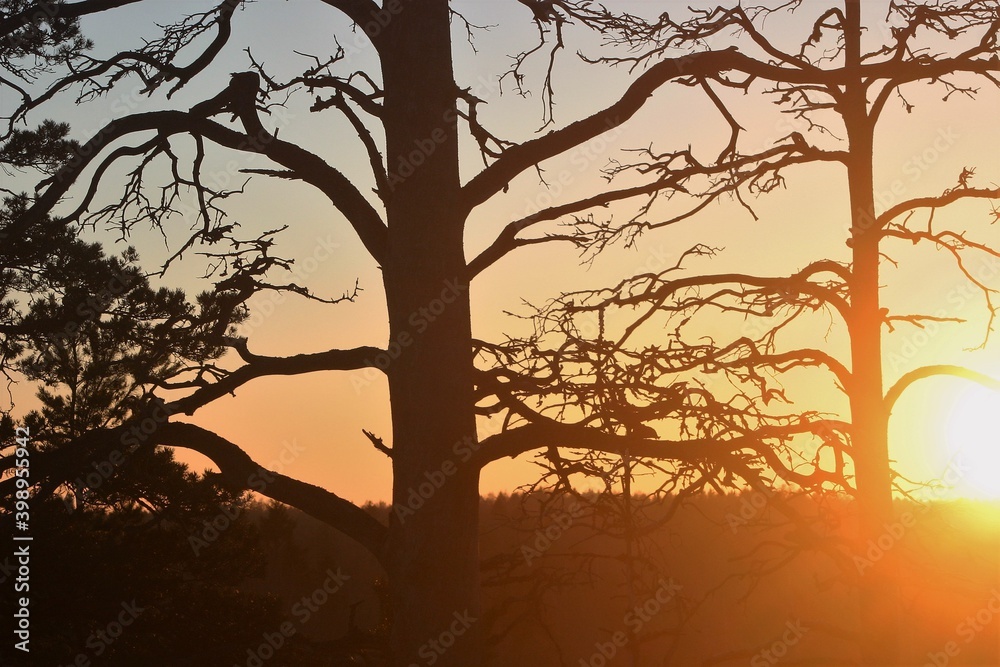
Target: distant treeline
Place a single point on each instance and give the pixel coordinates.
(580, 580)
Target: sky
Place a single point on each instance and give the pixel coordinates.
(310, 427)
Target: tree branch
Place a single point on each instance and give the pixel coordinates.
(507, 240)
(799, 281)
(239, 469)
(331, 360)
(543, 432)
(907, 379)
(236, 467)
(58, 10)
(309, 167)
(361, 12)
(706, 64)
(948, 197)
(546, 432)
(166, 70)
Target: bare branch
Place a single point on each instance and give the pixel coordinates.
(257, 367)
(239, 469)
(949, 197)
(309, 167)
(901, 385)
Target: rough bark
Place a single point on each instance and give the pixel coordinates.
(433, 561)
(878, 594)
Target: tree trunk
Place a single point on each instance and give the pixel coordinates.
(878, 594)
(433, 545)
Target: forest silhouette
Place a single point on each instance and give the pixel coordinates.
(743, 588)
(688, 267)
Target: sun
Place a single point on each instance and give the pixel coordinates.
(972, 439)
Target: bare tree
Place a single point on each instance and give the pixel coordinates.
(413, 226)
(724, 393)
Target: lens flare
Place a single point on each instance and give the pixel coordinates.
(972, 437)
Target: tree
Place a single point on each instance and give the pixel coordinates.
(409, 113)
(839, 84)
(123, 561)
(139, 538)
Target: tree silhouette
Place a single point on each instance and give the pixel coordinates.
(657, 362)
(120, 584)
(125, 531)
(408, 112)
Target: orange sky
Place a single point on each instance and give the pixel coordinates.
(319, 418)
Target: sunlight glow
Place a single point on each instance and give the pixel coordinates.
(972, 437)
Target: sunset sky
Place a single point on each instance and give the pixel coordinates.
(936, 423)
